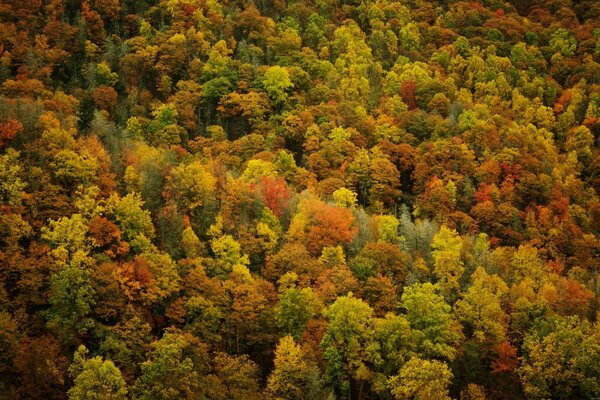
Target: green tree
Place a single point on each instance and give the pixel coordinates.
(561, 359)
(295, 308)
(173, 369)
(349, 334)
(409, 37)
(277, 83)
(563, 42)
(394, 346)
(71, 300)
(437, 333)
(95, 379)
(71, 169)
(68, 234)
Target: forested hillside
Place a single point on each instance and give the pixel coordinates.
(289, 200)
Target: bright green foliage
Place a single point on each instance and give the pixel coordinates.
(134, 128)
(409, 37)
(285, 165)
(339, 135)
(95, 378)
(218, 60)
(228, 255)
(436, 332)
(276, 82)
(163, 130)
(422, 380)
(332, 257)
(104, 76)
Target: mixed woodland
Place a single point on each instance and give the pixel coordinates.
(299, 199)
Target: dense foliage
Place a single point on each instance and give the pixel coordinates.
(299, 199)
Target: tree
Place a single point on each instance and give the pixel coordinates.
(562, 41)
(68, 235)
(322, 225)
(292, 257)
(71, 300)
(276, 83)
(481, 308)
(173, 369)
(387, 228)
(561, 360)
(234, 378)
(294, 377)
(409, 37)
(8, 130)
(437, 334)
(72, 169)
(11, 185)
(447, 260)
(40, 368)
(203, 318)
(95, 378)
(150, 277)
(348, 336)
(129, 215)
(344, 197)
(394, 346)
(249, 316)
(191, 186)
(227, 251)
(296, 307)
(386, 259)
(422, 380)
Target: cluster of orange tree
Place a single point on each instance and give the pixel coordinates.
(285, 199)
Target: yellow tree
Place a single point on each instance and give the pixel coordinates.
(448, 266)
(294, 377)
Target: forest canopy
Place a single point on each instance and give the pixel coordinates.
(299, 199)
